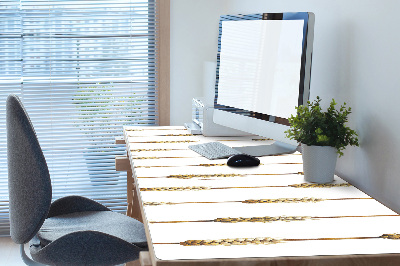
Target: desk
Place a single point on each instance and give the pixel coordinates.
(202, 212)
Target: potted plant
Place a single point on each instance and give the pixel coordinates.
(323, 136)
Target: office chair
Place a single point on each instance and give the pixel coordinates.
(70, 231)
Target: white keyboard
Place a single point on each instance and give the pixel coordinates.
(214, 150)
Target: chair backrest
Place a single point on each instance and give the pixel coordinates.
(29, 183)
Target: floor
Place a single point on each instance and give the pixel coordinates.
(9, 253)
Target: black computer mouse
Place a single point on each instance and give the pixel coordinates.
(239, 160)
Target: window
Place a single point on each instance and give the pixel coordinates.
(83, 69)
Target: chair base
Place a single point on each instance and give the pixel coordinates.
(26, 259)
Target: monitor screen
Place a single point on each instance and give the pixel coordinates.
(263, 71)
(260, 65)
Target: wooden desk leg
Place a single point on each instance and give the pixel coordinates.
(122, 164)
(132, 197)
(129, 192)
(144, 260)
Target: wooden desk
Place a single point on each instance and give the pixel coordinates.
(202, 212)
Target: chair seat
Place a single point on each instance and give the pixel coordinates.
(107, 222)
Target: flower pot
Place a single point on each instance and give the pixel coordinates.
(319, 163)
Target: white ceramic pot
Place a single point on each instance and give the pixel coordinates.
(319, 163)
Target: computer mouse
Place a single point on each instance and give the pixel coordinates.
(239, 160)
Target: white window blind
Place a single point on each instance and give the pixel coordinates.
(83, 69)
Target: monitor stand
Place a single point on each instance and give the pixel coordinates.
(275, 148)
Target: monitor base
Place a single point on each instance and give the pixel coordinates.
(275, 148)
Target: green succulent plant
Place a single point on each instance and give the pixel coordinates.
(312, 126)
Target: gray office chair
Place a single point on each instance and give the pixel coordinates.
(70, 231)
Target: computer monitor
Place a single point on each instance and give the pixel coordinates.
(263, 73)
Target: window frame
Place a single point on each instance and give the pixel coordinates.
(163, 88)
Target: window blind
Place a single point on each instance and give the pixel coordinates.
(83, 69)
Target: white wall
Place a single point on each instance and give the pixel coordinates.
(356, 60)
(194, 41)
